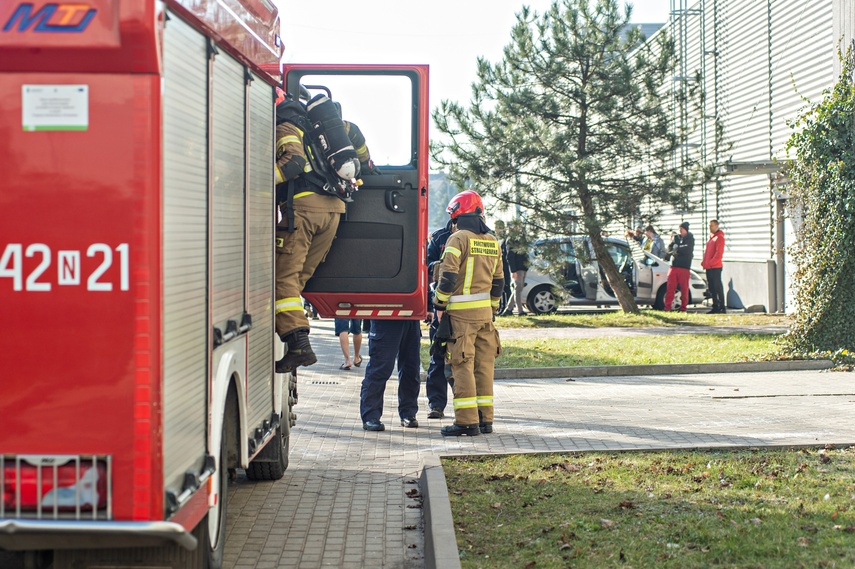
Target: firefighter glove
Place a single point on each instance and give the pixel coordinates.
(368, 168)
(439, 347)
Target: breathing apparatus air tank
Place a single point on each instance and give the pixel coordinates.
(329, 132)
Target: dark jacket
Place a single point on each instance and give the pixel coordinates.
(435, 247)
(517, 260)
(506, 268)
(682, 250)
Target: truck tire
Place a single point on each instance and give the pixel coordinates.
(541, 300)
(272, 461)
(212, 540)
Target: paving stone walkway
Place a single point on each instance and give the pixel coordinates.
(350, 499)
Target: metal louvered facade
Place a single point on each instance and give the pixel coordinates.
(799, 29)
(758, 62)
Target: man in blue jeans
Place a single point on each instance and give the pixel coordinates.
(389, 340)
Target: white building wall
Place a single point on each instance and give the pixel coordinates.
(803, 56)
(843, 30)
(762, 60)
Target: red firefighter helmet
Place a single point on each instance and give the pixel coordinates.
(465, 202)
(280, 96)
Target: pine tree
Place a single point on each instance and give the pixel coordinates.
(571, 125)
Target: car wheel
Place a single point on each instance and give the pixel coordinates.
(659, 303)
(541, 300)
(677, 297)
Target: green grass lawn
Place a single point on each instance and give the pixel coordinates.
(647, 318)
(748, 508)
(616, 350)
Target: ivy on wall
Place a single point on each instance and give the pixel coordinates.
(822, 190)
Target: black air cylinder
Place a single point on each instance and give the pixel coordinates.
(329, 132)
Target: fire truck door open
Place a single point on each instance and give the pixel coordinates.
(375, 268)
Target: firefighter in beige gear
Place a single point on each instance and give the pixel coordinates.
(468, 293)
(310, 215)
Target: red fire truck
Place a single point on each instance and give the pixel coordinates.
(137, 266)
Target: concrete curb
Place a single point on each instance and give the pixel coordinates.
(660, 369)
(440, 540)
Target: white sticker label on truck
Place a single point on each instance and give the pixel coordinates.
(68, 268)
(55, 107)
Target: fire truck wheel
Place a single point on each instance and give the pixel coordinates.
(272, 461)
(211, 531)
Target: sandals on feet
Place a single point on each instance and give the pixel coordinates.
(344, 366)
(357, 361)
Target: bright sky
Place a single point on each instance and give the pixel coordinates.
(446, 34)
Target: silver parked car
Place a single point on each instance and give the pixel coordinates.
(584, 282)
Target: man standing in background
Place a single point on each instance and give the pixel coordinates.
(506, 305)
(653, 243)
(436, 384)
(712, 263)
(518, 263)
(681, 251)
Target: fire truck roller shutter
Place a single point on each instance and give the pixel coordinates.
(185, 254)
(228, 184)
(260, 235)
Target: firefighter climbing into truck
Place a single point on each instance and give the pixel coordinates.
(317, 172)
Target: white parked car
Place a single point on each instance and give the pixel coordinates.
(584, 283)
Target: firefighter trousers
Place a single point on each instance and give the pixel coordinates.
(298, 254)
(473, 355)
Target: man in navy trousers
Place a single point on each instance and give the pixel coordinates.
(391, 340)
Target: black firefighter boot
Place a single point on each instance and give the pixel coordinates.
(299, 351)
(485, 428)
(456, 430)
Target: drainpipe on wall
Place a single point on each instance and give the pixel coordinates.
(781, 255)
(772, 288)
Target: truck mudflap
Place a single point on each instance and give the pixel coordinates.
(22, 534)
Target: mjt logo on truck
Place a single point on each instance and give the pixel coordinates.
(53, 17)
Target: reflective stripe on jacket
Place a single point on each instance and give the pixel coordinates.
(476, 260)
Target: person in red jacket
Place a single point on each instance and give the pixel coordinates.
(712, 264)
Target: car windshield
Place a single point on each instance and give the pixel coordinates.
(552, 250)
(568, 252)
(636, 251)
(620, 255)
